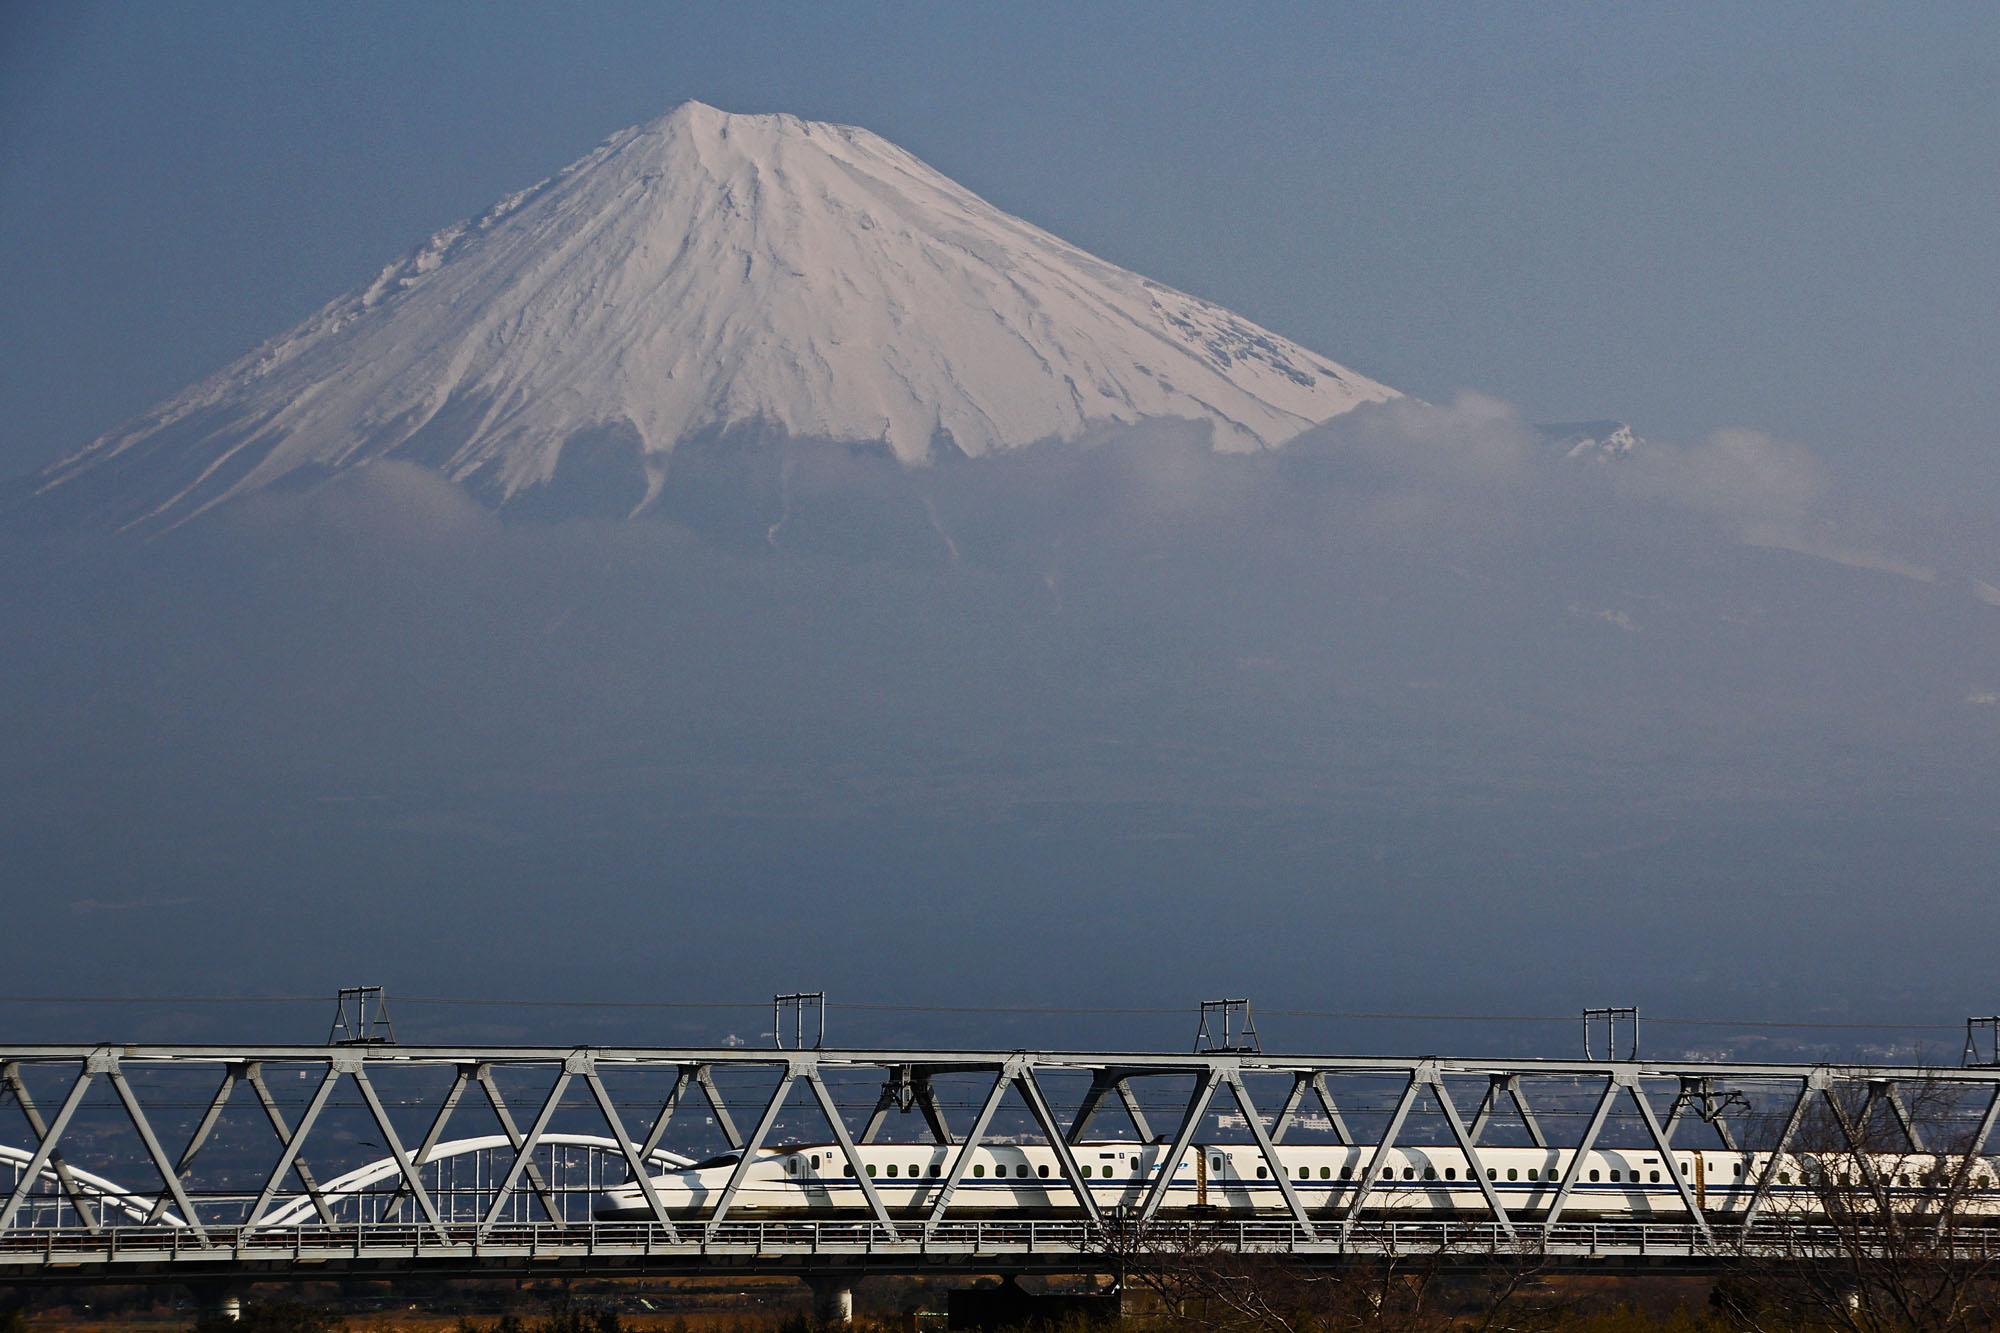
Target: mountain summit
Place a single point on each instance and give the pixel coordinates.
(700, 274)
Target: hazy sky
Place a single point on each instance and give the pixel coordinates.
(1412, 715)
(1777, 216)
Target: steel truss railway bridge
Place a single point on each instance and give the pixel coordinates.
(235, 1164)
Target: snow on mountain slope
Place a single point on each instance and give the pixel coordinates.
(699, 273)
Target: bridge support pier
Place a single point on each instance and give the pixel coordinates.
(833, 1300)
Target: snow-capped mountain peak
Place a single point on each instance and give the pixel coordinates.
(694, 274)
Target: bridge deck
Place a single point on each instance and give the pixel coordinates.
(65, 1255)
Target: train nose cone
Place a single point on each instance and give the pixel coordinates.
(620, 1206)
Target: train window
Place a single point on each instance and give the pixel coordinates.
(1531, 1173)
(871, 1168)
(892, 1168)
(937, 1169)
(1261, 1173)
(1305, 1173)
(1041, 1171)
(1493, 1173)
(1451, 1173)
(1784, 1177)
(1430, 1173)
(1215, 1163)
(1022, 1170)
(1512, 1174)
(1654, 1176)
(1347, 1173)
(1086, 1172)
(815, 1159)
(1326, 1173)
(914, 1171)
(1739, 1170)
(1409, 1173)
(978, 1170)
(847, 1169)
(792, 1166)
(1593, 1173)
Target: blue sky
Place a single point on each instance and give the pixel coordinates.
(1779, 216)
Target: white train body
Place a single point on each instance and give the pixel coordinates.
(1234, 1179)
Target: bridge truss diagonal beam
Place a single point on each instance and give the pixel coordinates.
(1133, 1112)
(1509, 1085)
(231, 1075)
(668, 1105)
(10, 1079)
(1197, 1107)
(1104, 1082)
(704, 1077)
(1269, 1151)
(747, 1152)
(1313, 1081)
(1971, 1158)
(1373, 1172)
(1598, 1116)
(962, 1159)
(293, 1141)
(275, 1116)
(848, 1149)
(1466, 1145)
(170, 1179)
(1038, 1107)
(1892, 1094)
(483, 1075)
(1667, 1158)
(524, 1152)
(1977, 1145)
(633, 1161)
(908, 1088)
(1853, 1133)
(1699, 1088)
(933, 1113)
(1761, 1195)
(461, 1076)
(46, 1146)
(395, 1146)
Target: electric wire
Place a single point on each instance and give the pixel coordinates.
(1058, 1011)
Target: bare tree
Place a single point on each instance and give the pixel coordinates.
(1202, 1280)
(1881, 1218)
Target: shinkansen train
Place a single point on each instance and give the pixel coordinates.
(1234, 1179)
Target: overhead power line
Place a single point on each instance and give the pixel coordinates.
(1057, 1011)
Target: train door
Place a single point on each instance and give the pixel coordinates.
(816, 1169)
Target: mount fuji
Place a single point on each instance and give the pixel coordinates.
(703, 284)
